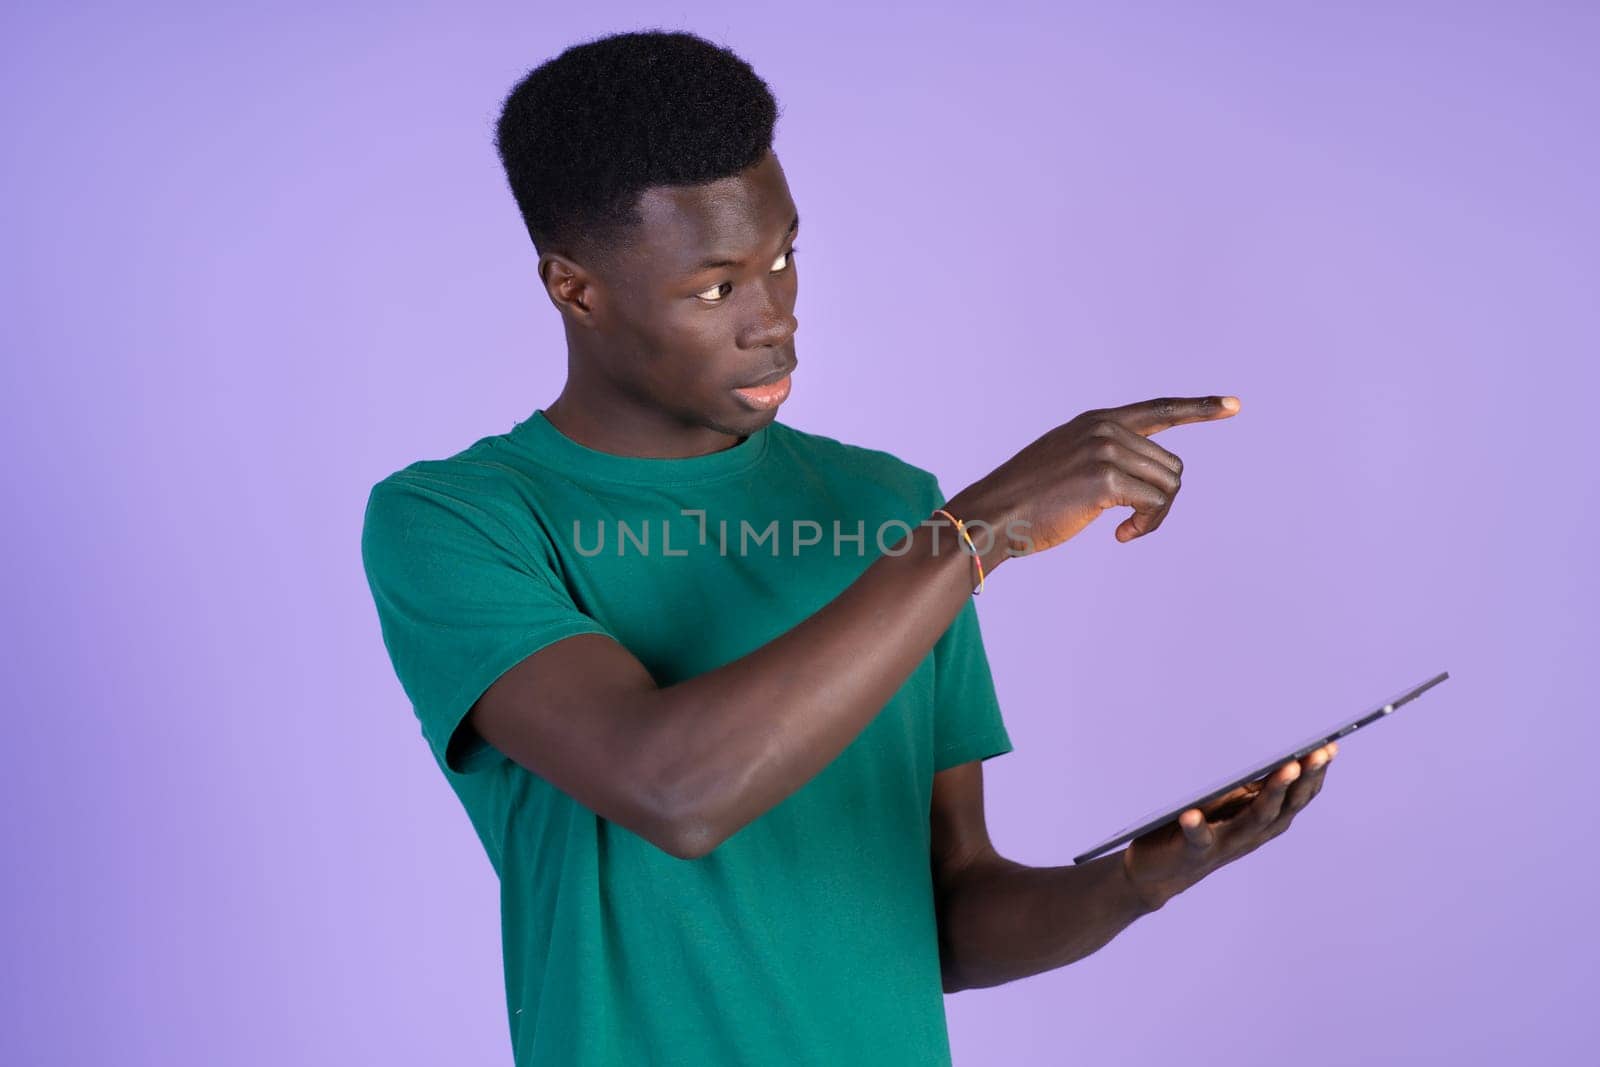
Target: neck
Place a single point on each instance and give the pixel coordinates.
(609, 421)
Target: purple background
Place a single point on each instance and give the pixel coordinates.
(255, 261)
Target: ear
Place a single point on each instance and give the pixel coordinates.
(571, 288)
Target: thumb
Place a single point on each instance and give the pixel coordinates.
(1196, 831)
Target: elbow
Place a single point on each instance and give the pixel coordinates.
(690, 840)
(676, 802)
(685, 834)
(682, 839)
(679, 827)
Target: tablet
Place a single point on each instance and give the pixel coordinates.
(1257, 770)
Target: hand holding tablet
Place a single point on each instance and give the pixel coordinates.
(1171, 846)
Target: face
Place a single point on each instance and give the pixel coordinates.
(699, 303)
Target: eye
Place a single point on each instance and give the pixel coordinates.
(718, 292)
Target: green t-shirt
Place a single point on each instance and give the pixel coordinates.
(809, 936)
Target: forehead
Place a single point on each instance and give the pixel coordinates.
(733, 218)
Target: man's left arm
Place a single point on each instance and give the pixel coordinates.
(1000, 920)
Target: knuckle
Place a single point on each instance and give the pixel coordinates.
(1105, 450)
(1088, 420)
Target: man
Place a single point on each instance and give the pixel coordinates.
(712, 689)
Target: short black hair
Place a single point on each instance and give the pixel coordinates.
(582, 135)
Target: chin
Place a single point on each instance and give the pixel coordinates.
(742, 422)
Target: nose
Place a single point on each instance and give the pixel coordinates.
(775, 332)
(773, 325)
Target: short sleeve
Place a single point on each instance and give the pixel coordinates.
(460, 601)
(967, 721)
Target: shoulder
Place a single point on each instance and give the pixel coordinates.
(471, 493)
(919, 487)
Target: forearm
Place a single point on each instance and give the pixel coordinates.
(1002, 921)
(733, 743)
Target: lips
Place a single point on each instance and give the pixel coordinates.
(764, 397)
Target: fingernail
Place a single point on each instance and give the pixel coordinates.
(1231, 403)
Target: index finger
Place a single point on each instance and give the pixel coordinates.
(1151, 416)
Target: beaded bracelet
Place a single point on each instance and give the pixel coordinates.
(961, 528)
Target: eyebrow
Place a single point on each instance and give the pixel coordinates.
(717, 264)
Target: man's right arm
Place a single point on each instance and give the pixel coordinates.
(688, 765)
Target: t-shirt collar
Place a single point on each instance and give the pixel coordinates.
(556, 449)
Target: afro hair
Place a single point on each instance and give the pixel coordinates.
(582, 135)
